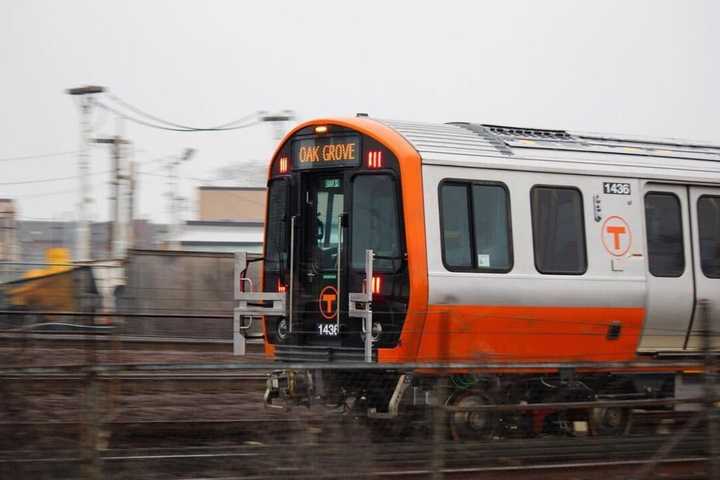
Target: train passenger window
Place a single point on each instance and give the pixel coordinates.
(276, 255)
(663, 222)
(475, 223)
(455, 225)
(709, 228)
(375, 222)
(491, 222)
(558, 230)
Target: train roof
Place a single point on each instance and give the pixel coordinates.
(516, 148)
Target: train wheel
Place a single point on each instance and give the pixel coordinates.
(472, 425)
(609, 421)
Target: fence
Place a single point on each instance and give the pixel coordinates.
(94, 409)
(152, 294)
(209, 421)
(230, 419)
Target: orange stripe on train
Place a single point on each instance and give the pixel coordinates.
(460, 333)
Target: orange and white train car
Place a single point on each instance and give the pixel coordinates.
(492, 243)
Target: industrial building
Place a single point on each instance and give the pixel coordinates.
(229, 219)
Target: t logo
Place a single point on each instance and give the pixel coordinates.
(616, 231)
(328, 302)
(616, 236)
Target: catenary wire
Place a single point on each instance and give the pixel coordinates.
(54, 179)
(97, 185)
(171, 129)
(173, 124)
(41, 155)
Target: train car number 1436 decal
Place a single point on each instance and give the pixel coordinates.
(612, 188)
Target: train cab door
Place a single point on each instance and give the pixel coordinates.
(705, 214)
(321, 263)
(670, 283)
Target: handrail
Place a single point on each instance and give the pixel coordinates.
(250, 304)
(339, 269)
(369, 256)
(292, 273)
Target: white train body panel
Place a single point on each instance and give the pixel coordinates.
(520, 159)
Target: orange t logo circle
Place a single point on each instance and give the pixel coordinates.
(616, 236)
(327, 302)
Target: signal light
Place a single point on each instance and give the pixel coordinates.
(376, 285)
(321, 129)
(375, 159)
(280, 287)
(283, 165)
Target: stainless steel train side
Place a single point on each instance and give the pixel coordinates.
(617, 179)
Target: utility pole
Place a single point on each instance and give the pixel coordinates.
(279, 121)
(115, 240)
(84, 97)
(131, 199)
(174, 197)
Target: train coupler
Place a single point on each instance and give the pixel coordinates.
(288, 388)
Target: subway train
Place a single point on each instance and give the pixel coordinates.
(451, 245)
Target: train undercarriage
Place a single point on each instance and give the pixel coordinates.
(478, 406)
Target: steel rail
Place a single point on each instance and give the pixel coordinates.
(359, 365)
(392, 472)
(205, 376)
(66, 313)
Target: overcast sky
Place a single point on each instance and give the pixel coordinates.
(635, 67)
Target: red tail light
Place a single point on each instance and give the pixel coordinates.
(283, 165)
(375, 159)
(376, 285)
(280, 287)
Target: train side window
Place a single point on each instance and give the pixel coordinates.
(663, 222)
(709, 228)
(558, 230)
(455, 225)
(475, 227)
(491, 226)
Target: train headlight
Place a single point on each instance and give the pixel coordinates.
(283, 329)
(375, 333)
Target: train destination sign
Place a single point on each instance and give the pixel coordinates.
(325, 152)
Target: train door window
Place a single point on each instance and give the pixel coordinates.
(558, 230)
(455, 225)
(709, 228)
(491, 226)
(277, 245)
(328, 203)
(663, 222)
(375, 221)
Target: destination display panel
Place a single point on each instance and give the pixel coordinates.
(326, 152)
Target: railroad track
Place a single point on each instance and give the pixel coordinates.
(537, 458)
(140, 377)
(123, 342)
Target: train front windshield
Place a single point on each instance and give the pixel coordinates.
(332, 197)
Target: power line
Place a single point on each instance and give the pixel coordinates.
(53, 193)
(40, 155)
(58, 179)
(172, 129)
(164, 175)
(249, 200)
(177, 125)
(54, 179)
